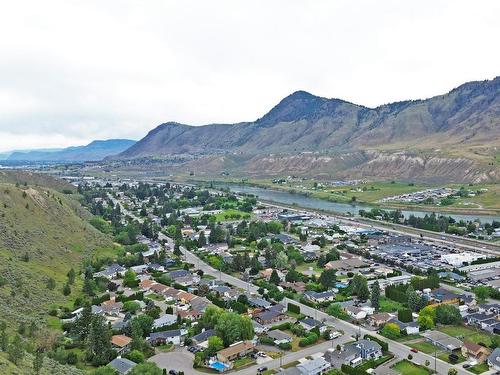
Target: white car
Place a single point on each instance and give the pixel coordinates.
(334, 335)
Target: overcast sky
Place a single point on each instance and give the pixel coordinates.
(75, 71)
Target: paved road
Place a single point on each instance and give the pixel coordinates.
(397, 348)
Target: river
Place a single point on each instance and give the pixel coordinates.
(300, 200)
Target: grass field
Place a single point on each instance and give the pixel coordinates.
(480, 368)
(232, 214)
(42, 236)
(445, 357)
(466, 333)
(407, 368)
(388, 305)
(425, 347)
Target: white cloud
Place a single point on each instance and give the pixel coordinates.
(73, 71)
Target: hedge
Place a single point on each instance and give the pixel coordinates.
(139, 296)
(293, 308)
(282, 326)
(285, 346)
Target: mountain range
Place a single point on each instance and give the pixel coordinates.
(94, 151)
(450, 137)
(468, 115)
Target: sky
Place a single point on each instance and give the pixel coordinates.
(75, 71)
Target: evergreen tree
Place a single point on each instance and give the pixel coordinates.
(274, 279)
(202, 240)
(71, 276)
(38, 361)
(99, 350)
(375, 295)
(414, 300)
(16, 350)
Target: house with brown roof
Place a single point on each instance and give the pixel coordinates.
(158, 288)
(121, 343)
(146, 285)
(298, 286)
(380, 319)
(475, 351)
(235, 351)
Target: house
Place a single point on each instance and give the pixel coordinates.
(145, 285)
(279, 337)
(491, 308)
(477, 319)
(474, 351)
(165, 320)
(203, 337)
(354, 354)
(298, 286)
(314, 366)
(121, 343)
(442, 340)
(122, 365)
(494, 360)
(259, 302)
(235, 351)
(310, 323)
(319, 297)
(411, 328)
(442, 295)
(174, 336)
(111, 272)
(355, 312)
(269, 316)
(259, 328)
(380, 319)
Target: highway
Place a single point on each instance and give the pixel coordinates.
(349, 329)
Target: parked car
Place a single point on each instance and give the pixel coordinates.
(413, 350)
(466, 365)
(172, 372)
(261, 369)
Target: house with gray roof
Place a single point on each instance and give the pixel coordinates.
(203, 336)
(494, 360)
(279, 337)
(314, 366)
(122, 365)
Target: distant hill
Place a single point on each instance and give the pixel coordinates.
(94, 151)
(466, 116)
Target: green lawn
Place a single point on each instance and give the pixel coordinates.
(242, 362)
(407, 368)
(479, 369)
(467, 333)
(445, 357)
(388, 305)
(232, 214)
(425, 347)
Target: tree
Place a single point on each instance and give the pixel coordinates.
(136, 356)
(336, 310)
(71, 276)
(281, 261)
(99, 350)
(448, 314)
(66, 290)
(16, 350)
(375, 295)
(147, 368)
(202, 240)
(38, 361)
(391, 331)
(211, 316)
(482, 293)
(452, 371)
(404, 315)
(274, 279)
(51, 283)
(327, 278)
(4, 338)
(215, 344)
(131, 306)
(232, 327)
(130, 279)
(414, 300)
(426, 317)
(82, 323)
(363, 291)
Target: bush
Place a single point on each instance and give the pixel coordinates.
(285, 346)
(309, 340)
(283, 326)
(404, 315)
(266, 341)
(136, 356)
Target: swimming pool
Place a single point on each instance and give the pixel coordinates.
(219, 366)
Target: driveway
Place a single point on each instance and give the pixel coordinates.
(178, 359)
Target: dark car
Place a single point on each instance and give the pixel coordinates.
(172, 372)
(261, 369)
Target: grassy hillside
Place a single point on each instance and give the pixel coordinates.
(42, 236)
